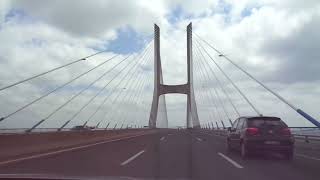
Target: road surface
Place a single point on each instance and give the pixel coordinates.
(168, 154)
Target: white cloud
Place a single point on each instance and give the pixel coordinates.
(4, 8)
(84, 18)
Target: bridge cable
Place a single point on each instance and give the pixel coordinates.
(233, 84)
(79, 93)
(215, 112)
(299, 111)
(118, 95)
(216, 92)
(49, 71)
(201, 101)
(118, 104)
(213, 101)
(135, 98)
(101, 90)
(214, 88)
(219, 82)
(56, 89)
(90, 100)
(208, 95)
(211, 115)
(123, 97)
(136, 69)
(218, 97)
(102, 120)
(140, 101)
(240, 92)
(127, 84)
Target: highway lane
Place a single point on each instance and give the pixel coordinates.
(269, 166)
(99, 160)
(168, 154)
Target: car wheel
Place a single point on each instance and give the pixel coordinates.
(244, 151)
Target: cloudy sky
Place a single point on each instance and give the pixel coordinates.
(276, 41)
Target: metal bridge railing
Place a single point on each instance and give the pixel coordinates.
(49, 130)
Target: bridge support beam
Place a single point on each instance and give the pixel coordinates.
(161, 89)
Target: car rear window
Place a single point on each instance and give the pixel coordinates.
(266, 122)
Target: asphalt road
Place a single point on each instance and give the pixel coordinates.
(169, 154)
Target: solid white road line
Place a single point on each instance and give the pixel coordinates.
(66, 150)
(230, 161)
(163, 138)
(307, 157)
(132, 158)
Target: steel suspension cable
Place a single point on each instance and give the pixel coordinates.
(214, 102)
(116, 112)
(215, 105)
(56, 89)
(104, 119)
(229, 79)
(139, 98)
(219, 82)
(299, 111)
(49, 71)
(109, 82)
(114, 100)
(135, 99)
(203, 99)
(214, 88)
(78, 94)
(132, 98)
(219, 100)
(112, 115)
(142, 101)
(128, 82)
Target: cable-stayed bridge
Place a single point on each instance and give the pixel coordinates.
(116, 123)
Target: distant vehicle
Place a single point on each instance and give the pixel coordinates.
(180, 127)
(260, 134)
(81, 128)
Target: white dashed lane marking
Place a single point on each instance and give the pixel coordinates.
(234, 163)
(132, 158)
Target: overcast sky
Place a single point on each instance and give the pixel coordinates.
(276, 41)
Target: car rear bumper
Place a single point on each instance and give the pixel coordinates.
(261, 146)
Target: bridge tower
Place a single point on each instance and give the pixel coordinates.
(161, 89)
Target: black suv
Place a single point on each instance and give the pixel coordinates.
(260, 134)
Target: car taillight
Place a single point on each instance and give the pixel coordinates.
(285, 132)
(252, 131)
